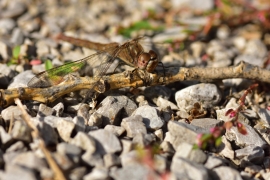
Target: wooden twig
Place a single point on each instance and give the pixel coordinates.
(136, 78)
(58, 173)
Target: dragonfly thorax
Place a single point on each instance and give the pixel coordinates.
(147, 61)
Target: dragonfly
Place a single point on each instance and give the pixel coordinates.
(131, 52)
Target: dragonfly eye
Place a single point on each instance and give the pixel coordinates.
(153, 54)
(143, 60)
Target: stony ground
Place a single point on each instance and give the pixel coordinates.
(146, 133)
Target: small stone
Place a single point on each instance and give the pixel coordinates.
(227, 173)
(11, 112)
(264, 114)
(133, 125)
(116, 130)
(21, 131)
(18, 146)
(95, 120)
(44, 110)
(206, 123)
(107, 142)
(17, 37)
(266, 162)
(59, 108)
(223, 32)
(189, 170)
(4, 54)
(77, 173)
(127, 146)
(93, 159)
(239, 42)
(65, 129)
(17, 172)
(84, 141)
(213, 162)
(249, 139)
(163, 103)
(143, 140)
(185, 150)
(111, 107)
(111, 160)
(79, 123)
(97, 173)
(252, 170)
(42, 49)
(70, 150)
(159, 134)
(206, 94)
(167, 147)
(154, 92)
(5, 137)
(21, 79)
(160, 163)
(29, 160)
(14, 10)
(48, 134)
(150, 117)
(133, 172)
(63, 161)
(250, 155)
(7, 25)
(249, 58)
(256, 47)
(181, 132)
(225, 148)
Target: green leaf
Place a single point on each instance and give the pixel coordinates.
(48, 64)
(218, 141)
(144, 24)
(16, 52)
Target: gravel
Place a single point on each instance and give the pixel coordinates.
(143, 133)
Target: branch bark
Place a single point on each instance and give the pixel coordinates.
(136, 78)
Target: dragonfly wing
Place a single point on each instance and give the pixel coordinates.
(56, 75)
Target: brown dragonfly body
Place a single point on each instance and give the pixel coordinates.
(131, 52)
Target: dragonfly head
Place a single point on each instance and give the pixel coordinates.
(148, 61)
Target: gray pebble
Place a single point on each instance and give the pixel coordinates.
(251, 138)
(150, 116)
(65, 129)
(6, 25)
(97, 173)
(47, 133)
(206, 123)
(21, 79)
(185, 150)
(206, 94)
(17, 172)
(77, 173)
(29, 160)
(189, 170)
(111, 160)
(250, 155)
(21, 131)
(93, 159)
(133, 125)
(227, 173)
(213, 162)
(107, 142)
(85, 142)
(181, 132)
(116, 130)
(111, 106)
(133, 172)
(17, 37)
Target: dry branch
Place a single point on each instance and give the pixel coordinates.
(136, 78)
